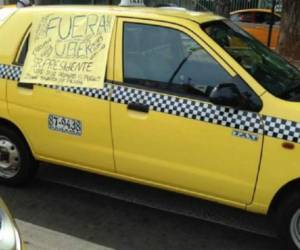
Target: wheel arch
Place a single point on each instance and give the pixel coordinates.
(282, 194)
(7, 123)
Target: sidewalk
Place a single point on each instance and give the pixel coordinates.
(40, 238)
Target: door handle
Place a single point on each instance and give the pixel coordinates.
(25, 85)
(138, 107)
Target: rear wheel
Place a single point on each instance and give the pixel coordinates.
(17, 165)
(289, 222)
(295, 228)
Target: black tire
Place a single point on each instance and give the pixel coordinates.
(288, 217)
(26, 164)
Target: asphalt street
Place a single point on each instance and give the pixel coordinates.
(69, 209)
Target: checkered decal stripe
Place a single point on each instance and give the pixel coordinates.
(243, 120)
(10, 72)
(90, 92)
(282, 129)
(228, 117)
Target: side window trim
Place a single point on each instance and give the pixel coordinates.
(189, 33)
(118, 74)
(23, 48)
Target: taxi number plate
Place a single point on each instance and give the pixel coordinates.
(64, 125)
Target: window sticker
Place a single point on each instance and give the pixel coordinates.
(64, 125)
(69, 50)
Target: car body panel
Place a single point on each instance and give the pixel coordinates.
(279, 165)
(185, 154)
(171, 155)
(260, 30)
(22, 108)
(6, 12)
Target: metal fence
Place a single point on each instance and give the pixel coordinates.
(211, 4)
(189, 4)
(235, 4)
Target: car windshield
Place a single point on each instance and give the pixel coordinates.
(272, 71)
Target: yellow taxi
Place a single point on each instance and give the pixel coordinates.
(189, 103)
(257, 22)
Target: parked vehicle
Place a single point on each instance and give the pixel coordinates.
(257, 22)
(191, 103)
(9, 233)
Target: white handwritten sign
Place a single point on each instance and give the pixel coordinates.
(69, 50)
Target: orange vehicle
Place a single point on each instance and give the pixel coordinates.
(257, 23)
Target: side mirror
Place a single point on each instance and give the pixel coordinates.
(226, 94)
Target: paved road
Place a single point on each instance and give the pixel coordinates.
(62, 216)
(154, 198)
(41, 238)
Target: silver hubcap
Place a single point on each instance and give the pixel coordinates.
(295, 228)
(10, 162)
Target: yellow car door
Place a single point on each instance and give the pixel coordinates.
(68, 125)
(165, 130)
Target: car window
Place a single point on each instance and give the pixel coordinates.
(167, 59)
(245, 17)
(265, 18)
(23, 52)
(235, 17)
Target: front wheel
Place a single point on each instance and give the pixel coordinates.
(17, 164)
(289, 222)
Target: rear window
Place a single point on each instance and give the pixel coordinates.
(244, 17)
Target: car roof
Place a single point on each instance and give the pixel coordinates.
(139, 12)
(253, 10)
(6, 13)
